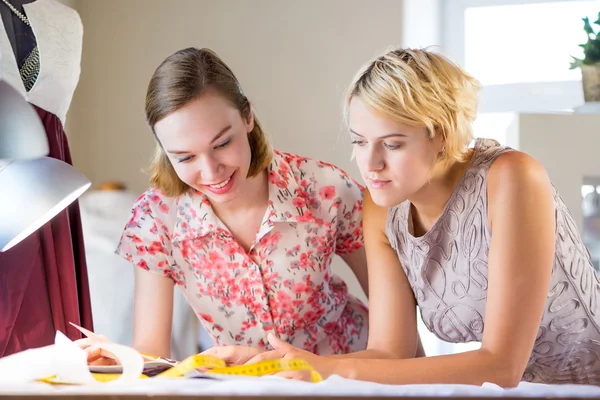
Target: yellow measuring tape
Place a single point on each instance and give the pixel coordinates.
(100, 377)
(214, 365)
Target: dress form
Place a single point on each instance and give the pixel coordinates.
(43, 279)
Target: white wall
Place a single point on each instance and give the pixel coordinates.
(294, 60)
(422, 23)
(566, 144)
(69, 3)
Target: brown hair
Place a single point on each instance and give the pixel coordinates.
(181, 78)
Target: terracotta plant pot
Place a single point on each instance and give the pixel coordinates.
(591, 82)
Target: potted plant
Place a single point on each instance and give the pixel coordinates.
(590, 63)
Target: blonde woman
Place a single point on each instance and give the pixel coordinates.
(476, 237)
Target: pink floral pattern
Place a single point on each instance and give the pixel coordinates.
(314, 212)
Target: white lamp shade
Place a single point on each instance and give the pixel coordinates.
(22, 135)
(32, 192)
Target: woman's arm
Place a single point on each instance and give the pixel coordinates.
(392, 307)
(357, 262)
(521, 215)
(152, 318)
(152, 313)
(384, 274)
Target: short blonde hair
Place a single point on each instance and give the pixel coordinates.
(421, 88)
(181, 78)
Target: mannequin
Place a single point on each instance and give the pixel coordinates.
(43, 279)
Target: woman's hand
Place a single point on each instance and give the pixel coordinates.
(283, 350)
(233, 355)
(95, 355)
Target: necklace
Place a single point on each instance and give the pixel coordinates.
(30, 69)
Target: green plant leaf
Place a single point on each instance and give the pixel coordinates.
(576, 63)
(591, 49)
(587, 27)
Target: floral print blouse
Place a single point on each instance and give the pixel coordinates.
(314, 211)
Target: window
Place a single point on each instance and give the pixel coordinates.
(525, 42)
(520, 51)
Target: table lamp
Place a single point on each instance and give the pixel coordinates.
(22, 135)
(33, 188)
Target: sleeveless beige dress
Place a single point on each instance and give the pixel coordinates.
(448, 268)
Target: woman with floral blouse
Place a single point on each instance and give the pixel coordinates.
(247, 233)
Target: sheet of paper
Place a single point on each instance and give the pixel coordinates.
(27, 366)
(68, 362)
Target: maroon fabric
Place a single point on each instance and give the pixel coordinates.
(43, 279)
